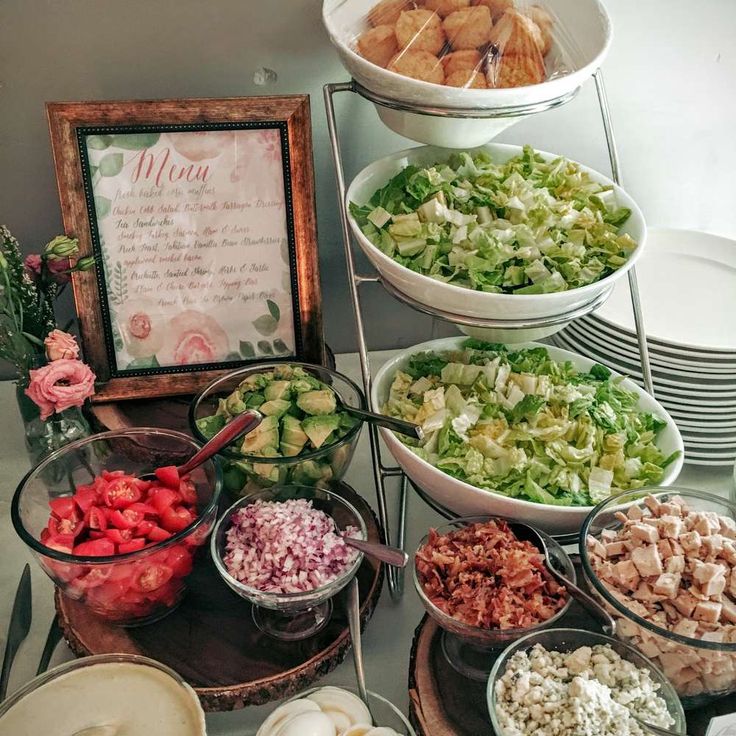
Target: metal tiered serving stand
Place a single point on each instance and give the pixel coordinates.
(381, 471)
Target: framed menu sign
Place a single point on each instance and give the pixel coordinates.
(201, 216)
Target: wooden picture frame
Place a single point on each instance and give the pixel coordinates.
(178, 153)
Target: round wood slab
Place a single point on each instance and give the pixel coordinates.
(444, 703)
(212, 642)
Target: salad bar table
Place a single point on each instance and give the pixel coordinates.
(387, 641)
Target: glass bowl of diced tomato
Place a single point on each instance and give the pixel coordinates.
(119, 542)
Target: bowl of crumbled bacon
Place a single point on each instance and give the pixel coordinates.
(486, 588)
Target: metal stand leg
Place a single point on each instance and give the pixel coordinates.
(395, 576)
(641, 333)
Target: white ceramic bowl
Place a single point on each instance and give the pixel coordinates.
(460, 300)
(586, 39)
(464, 499)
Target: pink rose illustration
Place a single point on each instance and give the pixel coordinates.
(194, 337)
(60, 385)
(61, 346)
(142, 328)
(270, 143)
(201, 145)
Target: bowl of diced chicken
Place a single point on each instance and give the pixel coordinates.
(665, 567)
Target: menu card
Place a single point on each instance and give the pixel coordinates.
(193, 241)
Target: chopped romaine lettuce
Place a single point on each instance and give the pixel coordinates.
(526, 226)
(521, 424)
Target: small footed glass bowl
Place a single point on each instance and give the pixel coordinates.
(701, 671)
(127, 589)
(568, 640)
(291, 616)
(470, 650)
(245, 474)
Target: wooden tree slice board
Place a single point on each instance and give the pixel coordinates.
(212, 642)
(444, 703)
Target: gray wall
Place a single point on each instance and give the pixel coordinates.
(670, 76)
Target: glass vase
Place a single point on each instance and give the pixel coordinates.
(43, 436)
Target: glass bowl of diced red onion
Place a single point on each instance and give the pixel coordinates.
(282, 549)
(485, 588)
(121, 545)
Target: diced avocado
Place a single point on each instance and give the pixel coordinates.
(222, 409)
(266, 471)
(309, 472)
(266, 434)
(255, 381)
(319, 428)
(283, 372)
(253, 400)
(210, 426)
(235, 404)
(234, 478)
(277, 390)
(276, 408)
(317, 402)
(293, 437)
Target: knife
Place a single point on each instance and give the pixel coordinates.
(52, 640)
(20, 625)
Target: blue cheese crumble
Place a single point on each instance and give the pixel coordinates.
(591, 690)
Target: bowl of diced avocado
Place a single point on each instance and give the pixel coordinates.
(306, 436)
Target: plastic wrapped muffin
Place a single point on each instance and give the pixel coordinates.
(474, 44)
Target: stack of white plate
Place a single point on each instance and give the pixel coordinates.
(687, 283)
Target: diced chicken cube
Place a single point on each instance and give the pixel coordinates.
(670, 526)
(652, 504)
(714, 636)
(665, 548)
(596, 547)
(608, 535)
(715, 682)
(667, 584)
(620, 516)
(690, 541)
(727, 527)
(686, 627)
(728, 552)
(710, 577)
(644, 532)
(713, 545)
(685, 603)
(676, 563)
(647, 561)
(732, 582)
(709, 611)
(683, 677)
(626, 574)
(669, 509)
(648, 648)
(614, 549)
(676, 547)
(728, 609)
(635, 513)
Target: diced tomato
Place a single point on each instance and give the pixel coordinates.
(163, 499)
(96, 534)
(62, 508)
(96, 576)
(45, 535)
(144, 508)
(132, 546)
(109, 475)
(61, 543)
(144, 528)
(152, 577)
(126, 519)
(71, 526)
(169, 476)
(176, 519)
(95, 548)
(119, 536)
(157, 534)
(108, 595)
(96, 519)
(180, 560)
(143, 485)
(85, 498)
(187, 491)
(121, 492)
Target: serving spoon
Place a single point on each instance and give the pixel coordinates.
(530, 534)
(240, 425)
(381, 420)
(384, 552)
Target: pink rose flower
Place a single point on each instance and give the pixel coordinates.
(33, 265)
(60, 385)
(61, 345)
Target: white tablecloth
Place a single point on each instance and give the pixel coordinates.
(388, 637)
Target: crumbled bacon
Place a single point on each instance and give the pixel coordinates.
(482, 575)
(285, 547)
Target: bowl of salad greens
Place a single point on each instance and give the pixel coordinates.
(305, 437)
(500, 231)
(530, 432)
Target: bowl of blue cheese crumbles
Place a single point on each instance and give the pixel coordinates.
(567, 682)
(529, 432)
(499, 231)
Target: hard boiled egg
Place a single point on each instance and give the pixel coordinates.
(307, 724)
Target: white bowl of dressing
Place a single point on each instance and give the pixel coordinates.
(134, 695)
